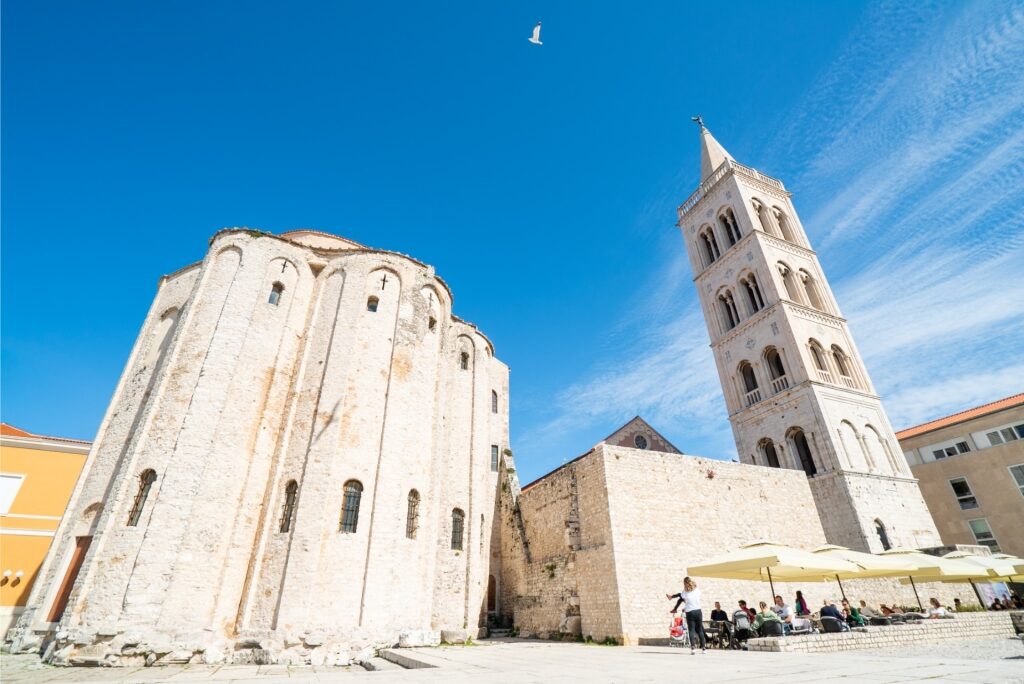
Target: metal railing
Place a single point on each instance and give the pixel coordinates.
(724, 168)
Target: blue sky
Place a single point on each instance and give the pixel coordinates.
(540, 181)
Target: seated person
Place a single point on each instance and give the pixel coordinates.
(764, 615)
(852, 615)
(956, 605)
(866, 610)
(750, 613)
(995, 605)
(718, 614)
(830, 610)
(935, 610)
(785, 614)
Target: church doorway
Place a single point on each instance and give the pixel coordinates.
(60, 602)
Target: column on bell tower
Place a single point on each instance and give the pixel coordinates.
(797, 393)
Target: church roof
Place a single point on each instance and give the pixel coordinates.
(976, 412)
(712, 154)
(627, 434)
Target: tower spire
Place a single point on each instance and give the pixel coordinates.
(712, 154)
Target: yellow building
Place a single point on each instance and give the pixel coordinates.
(37, 476)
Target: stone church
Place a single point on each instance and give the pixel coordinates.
(307, 456)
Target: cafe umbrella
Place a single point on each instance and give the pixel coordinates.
(771, 562)
(932, 568)
(867, 564)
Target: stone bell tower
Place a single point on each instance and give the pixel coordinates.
(796, 389)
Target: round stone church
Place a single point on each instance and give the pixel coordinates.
(300, 460)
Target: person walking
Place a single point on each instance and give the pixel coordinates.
(690, 598)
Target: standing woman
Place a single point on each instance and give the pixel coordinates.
(690, 597)
(801, 604)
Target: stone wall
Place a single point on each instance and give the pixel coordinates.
(359, 372)
(962, 627)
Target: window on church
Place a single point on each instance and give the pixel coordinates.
(762, 218)
(371, 304)
(431, 324)
(711, 249)
(771, 457)
(803, 452)
(754, 295)
(962, 491)
(458, 522)
(291, 493)
(412, 514)
(494, 458)
(275, 294)
(464, 361)
(728, 222)
(983, 534)
(883, 536)
(353, 492)
(775, 368)
(811, 290)
(751, 393)
(784, 225)
(731, 314)
(146, 480)
(640, 442)
(494, 401)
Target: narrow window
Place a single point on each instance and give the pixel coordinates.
(494, 401)
(964, 496)
(983, 534)
(371, 304)
(784, 225)
(709, 252)
(146, 480)
(751, 392)
(494, 458)
(728, 222)
(788, 282)
(412, 514)
(803, 450)
(458, 522)
(291, 491)
(753, 293)
(883, 536)
(275, 294)
(811, 290)
(350, 506)
(431, 324)
(1017, 471)
(729, 310)
(713, 242)
(775, 369)
(770, 455)
(762, 217)
(464, 361)
(492, 595)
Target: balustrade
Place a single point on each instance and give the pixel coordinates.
(753, 396)
(779, 384)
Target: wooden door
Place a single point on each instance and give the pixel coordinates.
(64, 593)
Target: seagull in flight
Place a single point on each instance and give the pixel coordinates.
(535, 38)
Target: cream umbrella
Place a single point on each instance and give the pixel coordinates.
(868, 564)
(932, 568)
(995, 569)
(1017, 563)
(765, 560)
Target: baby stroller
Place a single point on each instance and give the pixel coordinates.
(742, 629)
(677, 634)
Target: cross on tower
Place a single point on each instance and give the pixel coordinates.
(384, 281)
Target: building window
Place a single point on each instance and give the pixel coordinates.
(146, 480)
(464, 361)
(1004, 435)
(711, 250)
(784, 225)
(803, 451)
(9, 486)
(728, 221)
(730, 313)
(754, 295)
(640, 442)
(811, 290)
(751, 393)
(964, 495)
(431, 324)
(494, 458)
(412, 514)
(494, 401)
(350, 506)
(1017, 471)
(946, 451)
(844, 366)
(983, 533)
(883, 535)
(275, 294)
(775, 368)
(762, 217)
(771, 457)
(291, 493)
(458, 522)
(371, 304)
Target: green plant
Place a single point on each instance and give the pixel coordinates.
(970, 609)
(514, 632)
(610, 641)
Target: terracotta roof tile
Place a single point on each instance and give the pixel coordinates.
(11, 431)
(983, 410)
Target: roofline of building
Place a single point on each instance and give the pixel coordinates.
(61, 444)
(960, 416)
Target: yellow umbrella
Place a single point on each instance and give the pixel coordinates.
(763, 560)
(1017, 563)
(932, 568)
(995, 568)
(867, 564)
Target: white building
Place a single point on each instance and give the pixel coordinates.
(796, 389)
(300, 460)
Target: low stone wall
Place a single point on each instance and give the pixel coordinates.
(1018, 620)
(963, 627)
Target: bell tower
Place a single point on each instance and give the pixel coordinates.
(797, 392)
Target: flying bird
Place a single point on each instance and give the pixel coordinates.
(535, 38)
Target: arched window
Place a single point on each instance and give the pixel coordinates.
(464, 361)
(275, 294)
(820, 365)
(763, 218)
(751, 393)
(431, 324)
(494, 458)
(711, 250)
(811, 290)
(146, 480)
(728, 222)
(371, 304)
(458, 522)
(730, 314)
(843, 366)
(883, 535)
(494, 401)
(412, 514)
(350, 506)
(291, 493)
(784, 225)
(754, 295)
(777, 371)
(803, 451)
(771, 457)
(789, 282)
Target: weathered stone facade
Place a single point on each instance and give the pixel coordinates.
(299, 358)
(797, 392)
